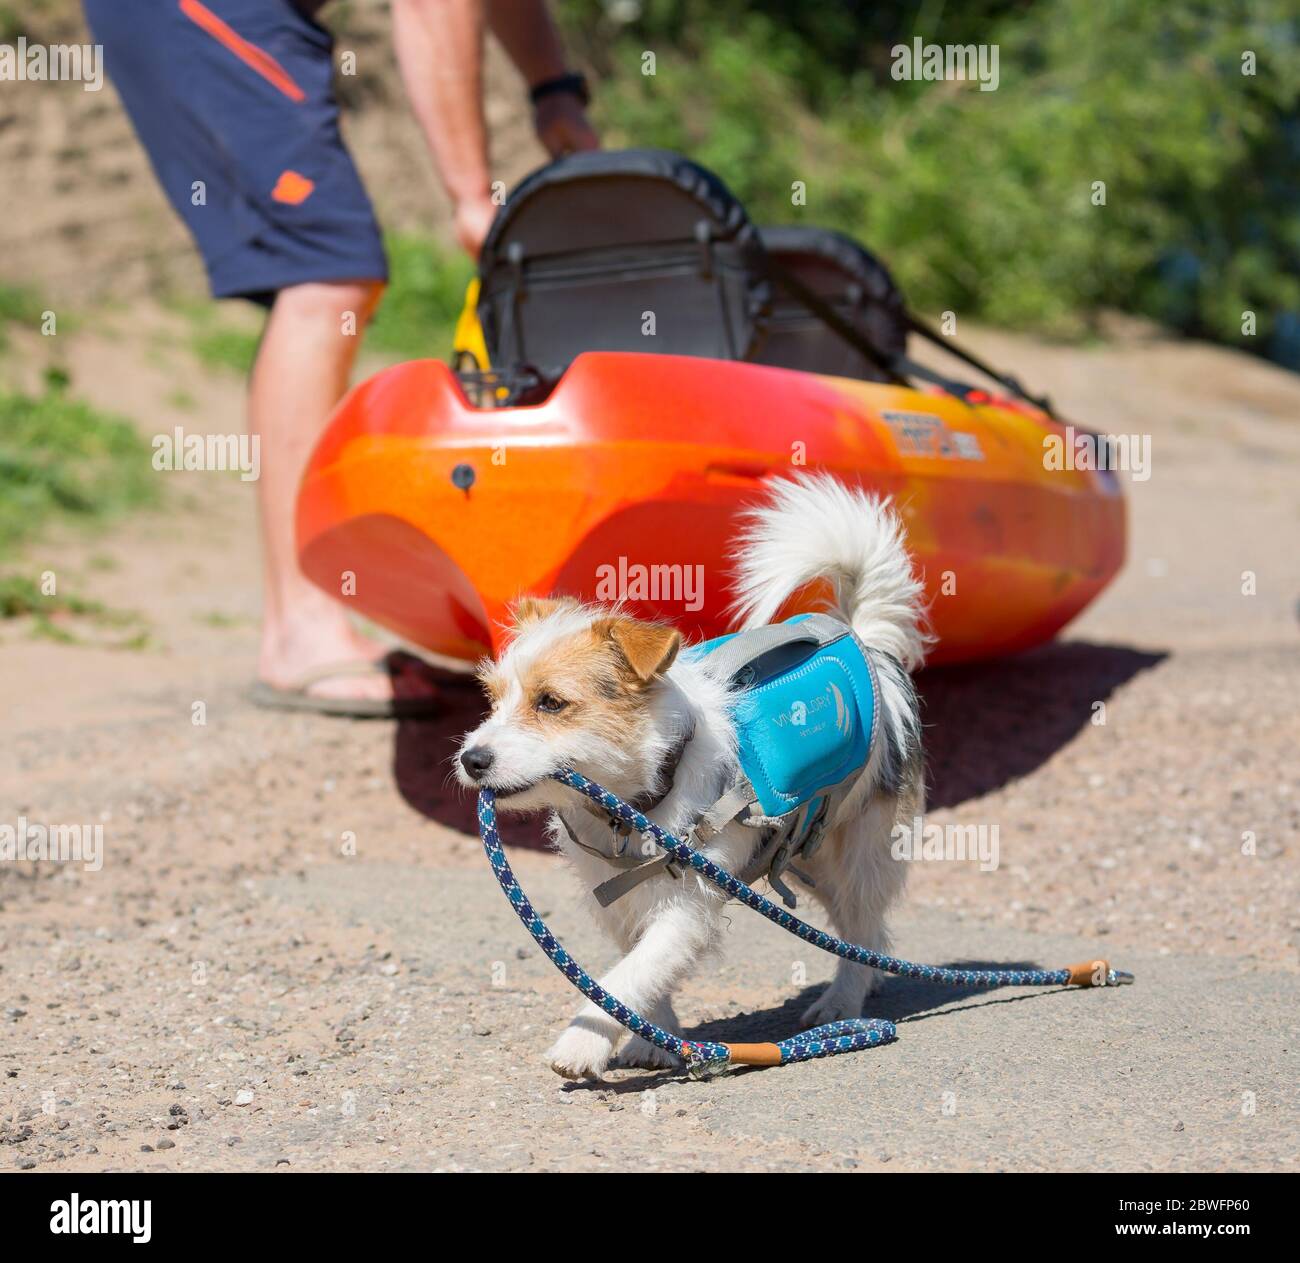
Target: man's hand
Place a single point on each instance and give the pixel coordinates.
(439, 47)
(562, 126)
(473, 217)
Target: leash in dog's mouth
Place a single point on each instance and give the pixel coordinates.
(707, 1058)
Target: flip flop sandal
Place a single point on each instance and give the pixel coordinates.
(298, 697)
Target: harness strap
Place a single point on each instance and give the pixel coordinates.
(737, 799)
(636, 867)
(747, 647)
(787, 895)
(620, 858)
(724, 811)
(775, 856)
(619, 885)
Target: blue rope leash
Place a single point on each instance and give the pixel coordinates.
(704, 1058)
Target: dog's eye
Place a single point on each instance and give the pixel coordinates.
(550, 704)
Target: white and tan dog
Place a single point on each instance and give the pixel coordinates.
(606, 694)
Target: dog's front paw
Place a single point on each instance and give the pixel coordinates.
(833, 1006)
(580, 1054)
(641, 1054)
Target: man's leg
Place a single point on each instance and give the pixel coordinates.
(302, 371)
(208, 110)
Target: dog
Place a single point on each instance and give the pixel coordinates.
(608, 695)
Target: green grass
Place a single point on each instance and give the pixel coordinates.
(18, 306)
(61, 459)
(415, 320)
(221, 347)
(426, 291)
(220, 620)
(21, 595)
(52, 616)
(11, 24)
(215, 339)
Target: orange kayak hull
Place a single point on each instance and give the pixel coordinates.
(431, 516)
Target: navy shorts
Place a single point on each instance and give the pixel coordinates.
(234, 102)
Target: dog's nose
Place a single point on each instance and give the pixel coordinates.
(476, 760)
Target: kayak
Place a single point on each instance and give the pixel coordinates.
(636, 361)
(431, 514)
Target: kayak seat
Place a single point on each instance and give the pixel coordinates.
(847, 277)
(623, 250)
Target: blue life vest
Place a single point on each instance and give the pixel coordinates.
(806, 715)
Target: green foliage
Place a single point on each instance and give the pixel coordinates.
(11, 24)
(21, 597)
(983, 202)
(216, 343)
(17, 306)
(416, 318)
(21, 594)
(60, 458)
(233, 350)
(426, 291)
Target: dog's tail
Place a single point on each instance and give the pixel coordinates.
(814, 527)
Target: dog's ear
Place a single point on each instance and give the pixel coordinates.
(649, 648)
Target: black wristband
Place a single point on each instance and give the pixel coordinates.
(573, 83)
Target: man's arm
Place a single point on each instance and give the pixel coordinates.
(439, 47)
(528, 35)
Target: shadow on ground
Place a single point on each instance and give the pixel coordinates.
(985, 724)
(423, 750)
(899, 1000)
(992, 722)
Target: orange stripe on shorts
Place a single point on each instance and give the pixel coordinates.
(260, 60)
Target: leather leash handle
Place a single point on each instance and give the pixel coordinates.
(1096, 973)
(753, 1054)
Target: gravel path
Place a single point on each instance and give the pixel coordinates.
(294, 955)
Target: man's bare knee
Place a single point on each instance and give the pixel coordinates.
(330, 300)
